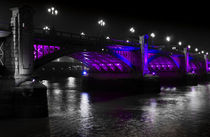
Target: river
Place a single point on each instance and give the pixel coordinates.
(175, 112)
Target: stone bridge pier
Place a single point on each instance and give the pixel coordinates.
(18, 56)
(20, 96)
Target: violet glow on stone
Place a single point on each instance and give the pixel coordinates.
(162, 63)
(192, 67)
(122, 48)
(130, 55)
(101, 62)
(42, 50)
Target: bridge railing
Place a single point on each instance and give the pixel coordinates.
(76, 36)
(65, 34)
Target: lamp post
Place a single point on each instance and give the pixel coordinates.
(132, 31)
(153, 36)
(168, 39)
(54, 12)
(101, 24)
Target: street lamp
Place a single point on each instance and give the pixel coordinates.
(46, 28)
(107, 37)
(207, 53)
(196, 49)
(202, 52)
(168, 38)
(152, 35)
(179, 43)
(188, 46)
(132, 30)
(102, 23)
(52, 11)
(131, 35)
(82, 33)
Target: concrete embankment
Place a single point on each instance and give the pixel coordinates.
(29, 100)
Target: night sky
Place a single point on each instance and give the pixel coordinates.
(186, 22)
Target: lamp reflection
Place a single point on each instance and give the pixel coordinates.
(195, 98)
(84, 105)
(85, 114)
(71, 82)
(150, 112)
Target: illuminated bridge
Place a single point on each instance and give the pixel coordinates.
(129, 65)
(27, 49)
(114, 56)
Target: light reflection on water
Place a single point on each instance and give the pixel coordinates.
(176, 111)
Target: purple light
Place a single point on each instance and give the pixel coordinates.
(96, 67)
(162, 63)
(153, 73)
(144, 53)
(101, 62)
(42, 50)
(111, 66)
(103, 66)
(186, 53)
(122, 48)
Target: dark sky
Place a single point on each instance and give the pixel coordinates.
(188, 22)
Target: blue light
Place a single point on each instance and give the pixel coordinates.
(122, 48)
(84, 73)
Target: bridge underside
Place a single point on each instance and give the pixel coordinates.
(102, 62)
(120, 60)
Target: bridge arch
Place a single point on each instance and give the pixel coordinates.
(197, 65)
(162, 63)
(95, 61)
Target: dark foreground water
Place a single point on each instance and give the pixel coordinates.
(175, 112)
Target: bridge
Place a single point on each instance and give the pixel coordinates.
(24, 49)
(27, 49)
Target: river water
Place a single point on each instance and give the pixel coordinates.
(175, 112)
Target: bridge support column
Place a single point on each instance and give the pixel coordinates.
(190, 77)
(143, 40)
(150, 82)
(21, 98)
(206, 63)
(187, 65)
(19, 51)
